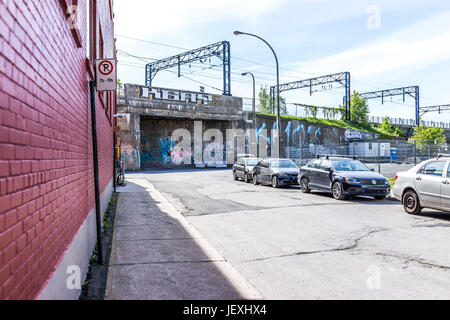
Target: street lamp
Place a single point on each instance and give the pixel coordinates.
(253, 101)
(278, 86)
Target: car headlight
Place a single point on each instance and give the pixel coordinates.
(352, 180)
(281, 175)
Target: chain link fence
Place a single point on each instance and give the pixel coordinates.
(386, 157)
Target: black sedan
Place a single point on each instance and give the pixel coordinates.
(275, 172)
(243, 168)
(343, 177)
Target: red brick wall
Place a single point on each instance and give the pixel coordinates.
(46, 168)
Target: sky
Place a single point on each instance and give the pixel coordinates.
(383, 44)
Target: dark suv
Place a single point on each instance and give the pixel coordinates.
(275, 172)
(342, 177)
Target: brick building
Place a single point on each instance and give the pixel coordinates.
(47, 213)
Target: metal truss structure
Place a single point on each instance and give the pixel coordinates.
(219, 49)
(412, 91)
(439, 108)
(343, 78)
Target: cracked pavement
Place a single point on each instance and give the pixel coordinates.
(290, 245)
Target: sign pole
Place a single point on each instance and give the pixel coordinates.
(92, 85)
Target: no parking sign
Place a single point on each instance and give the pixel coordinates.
(106, 74)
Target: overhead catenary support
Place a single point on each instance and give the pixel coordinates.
(219, 49)
(342, 77)
(412, 91)
(438, 108)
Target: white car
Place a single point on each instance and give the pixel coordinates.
(426, 185)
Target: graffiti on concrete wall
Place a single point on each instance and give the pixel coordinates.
(130, 156)
(154, 93)
(180, 142)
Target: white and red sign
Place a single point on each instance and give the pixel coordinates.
(106, 74)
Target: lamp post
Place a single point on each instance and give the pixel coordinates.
(278, 86)
(253, 101)
(253, 104)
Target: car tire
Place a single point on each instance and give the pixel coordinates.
(275, 183)
(304, 186)
(120, 179)
(380, 197)
(338, 191)
(235, 177)
(411, 203)
(255, 179)
(246, 178)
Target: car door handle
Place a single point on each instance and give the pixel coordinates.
(418, 178)
(445, 182)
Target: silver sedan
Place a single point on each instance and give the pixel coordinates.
(426, 185)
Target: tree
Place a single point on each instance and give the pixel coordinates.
(428, 138)
(359, 110)
(387, 127)
(424, 135)
(266, 102)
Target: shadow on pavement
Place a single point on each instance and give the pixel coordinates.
(155, 258)
(441, 215)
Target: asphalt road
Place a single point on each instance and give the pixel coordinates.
(290, 245)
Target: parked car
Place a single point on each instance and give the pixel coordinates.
(343, 177)
(426, 185)
(243, 168)
(276, 172)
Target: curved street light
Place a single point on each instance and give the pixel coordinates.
(278, 86)
(253, 101)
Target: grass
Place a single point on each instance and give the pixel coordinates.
(392, 182)
(337, 123)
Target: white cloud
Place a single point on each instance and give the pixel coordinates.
(414, 48)
(143, 17)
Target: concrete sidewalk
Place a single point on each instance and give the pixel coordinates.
(156, 254)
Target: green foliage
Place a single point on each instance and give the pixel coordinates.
(388, 129)
(337, 123)
(359, 110)
(264, 101)
(426, 135)
(119, 85)
(267, 103)
(313, 110)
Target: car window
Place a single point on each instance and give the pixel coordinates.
(326, 164)
(448, 171)
(283, 164)
(315, 164)
(349, 165)
(240, 161)
(434, 168)
(252, 162)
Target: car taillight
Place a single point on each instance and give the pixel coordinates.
(396, 178)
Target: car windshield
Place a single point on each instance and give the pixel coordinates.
(349, 165)
(252, 162)
(283, 164)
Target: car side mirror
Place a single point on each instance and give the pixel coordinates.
(372, 169)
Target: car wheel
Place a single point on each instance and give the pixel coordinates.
(411, 202)
(120, 179)
(338, 191)
(235, 177)
(304, 185)
(246, 178)
(255, 179)
(275, 183)
(380, 197)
